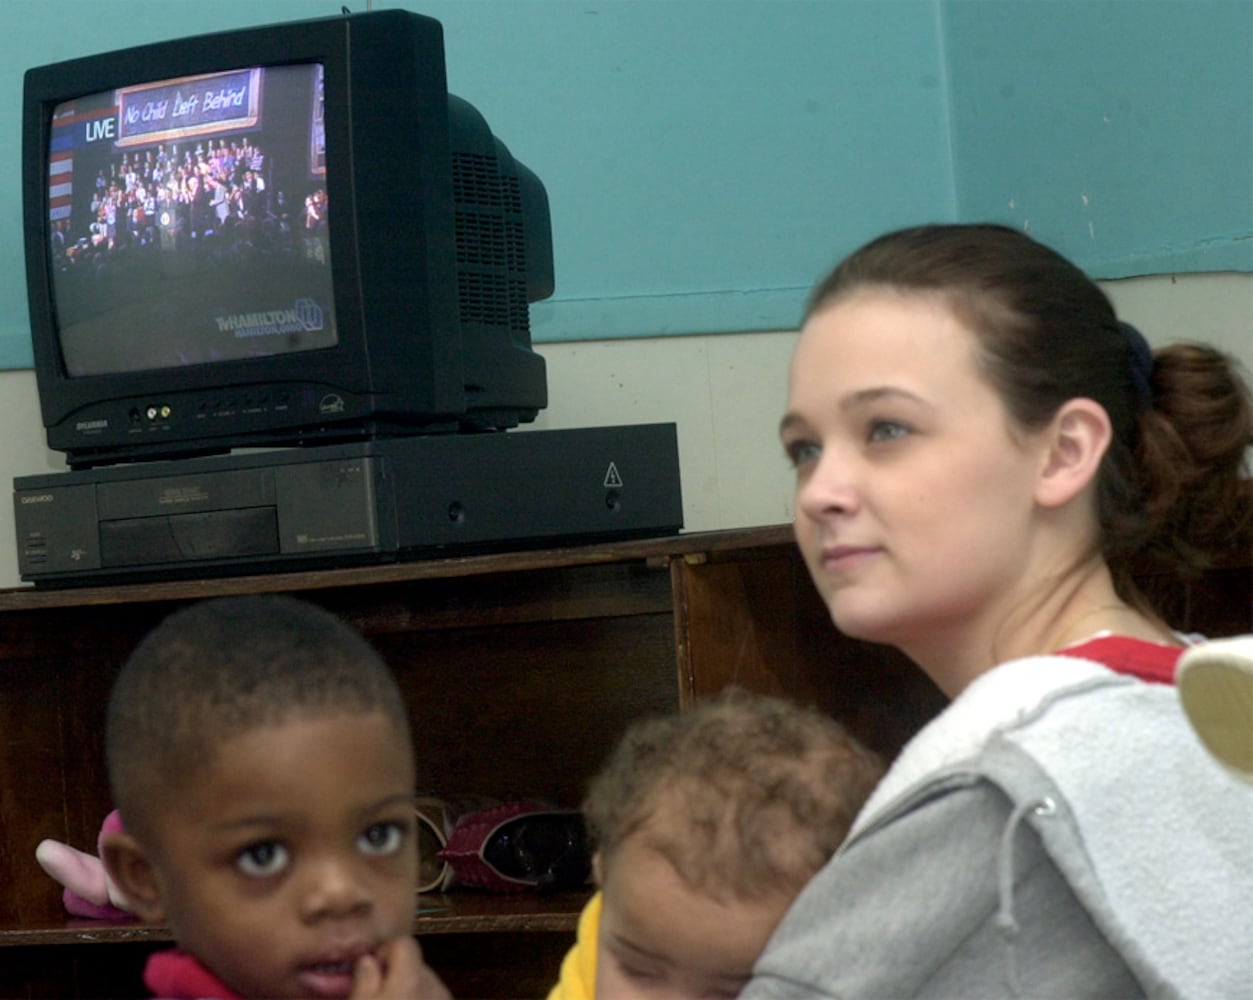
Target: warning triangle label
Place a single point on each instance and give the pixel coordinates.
(612, 479)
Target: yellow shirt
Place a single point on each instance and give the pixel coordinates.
(578, 968)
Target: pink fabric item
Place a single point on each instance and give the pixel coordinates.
(87, 890)
(81, 907)
(177, 975)
(77, 906)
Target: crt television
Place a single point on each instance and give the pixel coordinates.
(275, 236)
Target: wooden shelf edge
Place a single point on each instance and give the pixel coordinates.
(462, 912)
(473, 912)
(29, 597)
(85, 932)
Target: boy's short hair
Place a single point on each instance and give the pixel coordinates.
(745, 795)
(222, 667)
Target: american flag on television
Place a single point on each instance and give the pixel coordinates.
(61, 163)
(71, 131)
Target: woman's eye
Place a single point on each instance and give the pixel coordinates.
(382, 838)
(886, 430)
(266, 858)
(801, 452)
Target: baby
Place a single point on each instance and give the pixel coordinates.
(260, 757)
(706, 825)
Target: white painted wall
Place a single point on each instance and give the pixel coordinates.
(725, 393)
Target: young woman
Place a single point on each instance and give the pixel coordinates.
(980, 447)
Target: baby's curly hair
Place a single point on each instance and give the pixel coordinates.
(220, 668)
(744, 795)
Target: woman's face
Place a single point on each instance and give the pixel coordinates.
(914, 505)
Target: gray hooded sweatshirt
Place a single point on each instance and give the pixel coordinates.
(1057, 831)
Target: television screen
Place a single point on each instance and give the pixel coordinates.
(194, 208)
(278, 236)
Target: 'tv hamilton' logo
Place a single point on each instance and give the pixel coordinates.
(310, 314)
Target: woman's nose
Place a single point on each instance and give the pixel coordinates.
(826, 487)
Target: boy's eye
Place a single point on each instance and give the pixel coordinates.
(266, 858)
(382, 838)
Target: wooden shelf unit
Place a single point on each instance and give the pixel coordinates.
(520, 671)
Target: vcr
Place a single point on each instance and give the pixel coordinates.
(382, 500)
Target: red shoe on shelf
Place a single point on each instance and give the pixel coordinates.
(519, 847)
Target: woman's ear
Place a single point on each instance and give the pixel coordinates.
(1075, 442)
(128, 865)
(598, 873)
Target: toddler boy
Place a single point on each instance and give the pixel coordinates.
(706, 825)
(260, 757)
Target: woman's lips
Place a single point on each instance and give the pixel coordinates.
(844, 558)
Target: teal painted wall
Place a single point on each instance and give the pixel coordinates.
(1121, 131)
(707, 160)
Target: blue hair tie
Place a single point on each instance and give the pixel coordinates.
(1140, 364)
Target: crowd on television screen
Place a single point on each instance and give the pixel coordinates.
(213, 195)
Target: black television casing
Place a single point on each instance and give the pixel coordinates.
(438, 239)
